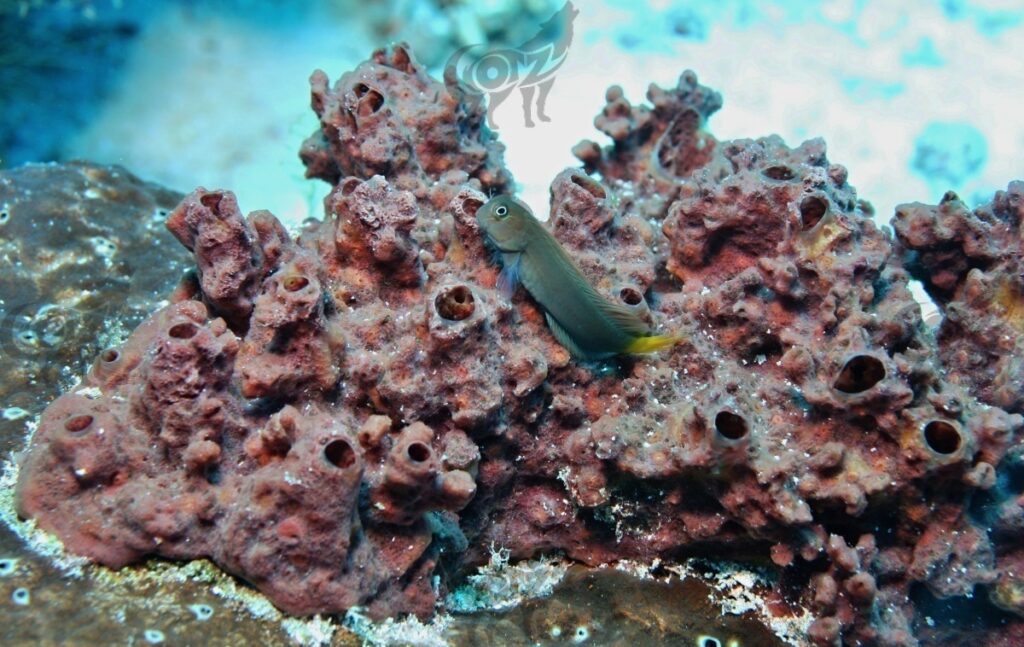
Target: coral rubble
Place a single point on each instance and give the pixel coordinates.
(333, 415)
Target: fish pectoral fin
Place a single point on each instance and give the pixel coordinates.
(564, 339)
(508, 279)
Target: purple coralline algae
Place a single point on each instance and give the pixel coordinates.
(347, 415)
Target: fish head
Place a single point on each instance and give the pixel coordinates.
(506, 222)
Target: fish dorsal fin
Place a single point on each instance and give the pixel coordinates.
(617, 314)
(627, 321)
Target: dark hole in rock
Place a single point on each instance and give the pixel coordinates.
(339, 453)
(631, 296)
(779, 172)
(266, 406)
(401, 60)
(371, 103)
(280, 341)
(418, 452)
(212, 474)
(210, 201)
(455, 303)
(110, 355)
(730, 425)
(78, 423)
(183, 331)
(360, 89)
(708, 641)
(812, 208)
(807, 275)
(295, 283)
(349, 185)
(716, 243)
(470, 206)
(942, 437)
(860, 374)
(589, 185)
(764, 349)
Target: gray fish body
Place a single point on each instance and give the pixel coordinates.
(555, 282)
(590, 326)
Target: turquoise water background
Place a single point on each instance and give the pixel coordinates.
(915, 98)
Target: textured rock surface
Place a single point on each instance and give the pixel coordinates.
(77, 243)
(972, 263)
(330, 415)
(389, 117)
(85, 255)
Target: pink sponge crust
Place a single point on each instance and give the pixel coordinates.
(388, 117)
(971, 264)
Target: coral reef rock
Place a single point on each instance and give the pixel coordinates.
(972, 264)
(342, 415)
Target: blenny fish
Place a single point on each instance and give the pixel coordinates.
(588, 325)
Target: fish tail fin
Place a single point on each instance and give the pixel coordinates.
(653, 343)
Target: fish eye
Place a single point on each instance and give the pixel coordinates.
(501, 211)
